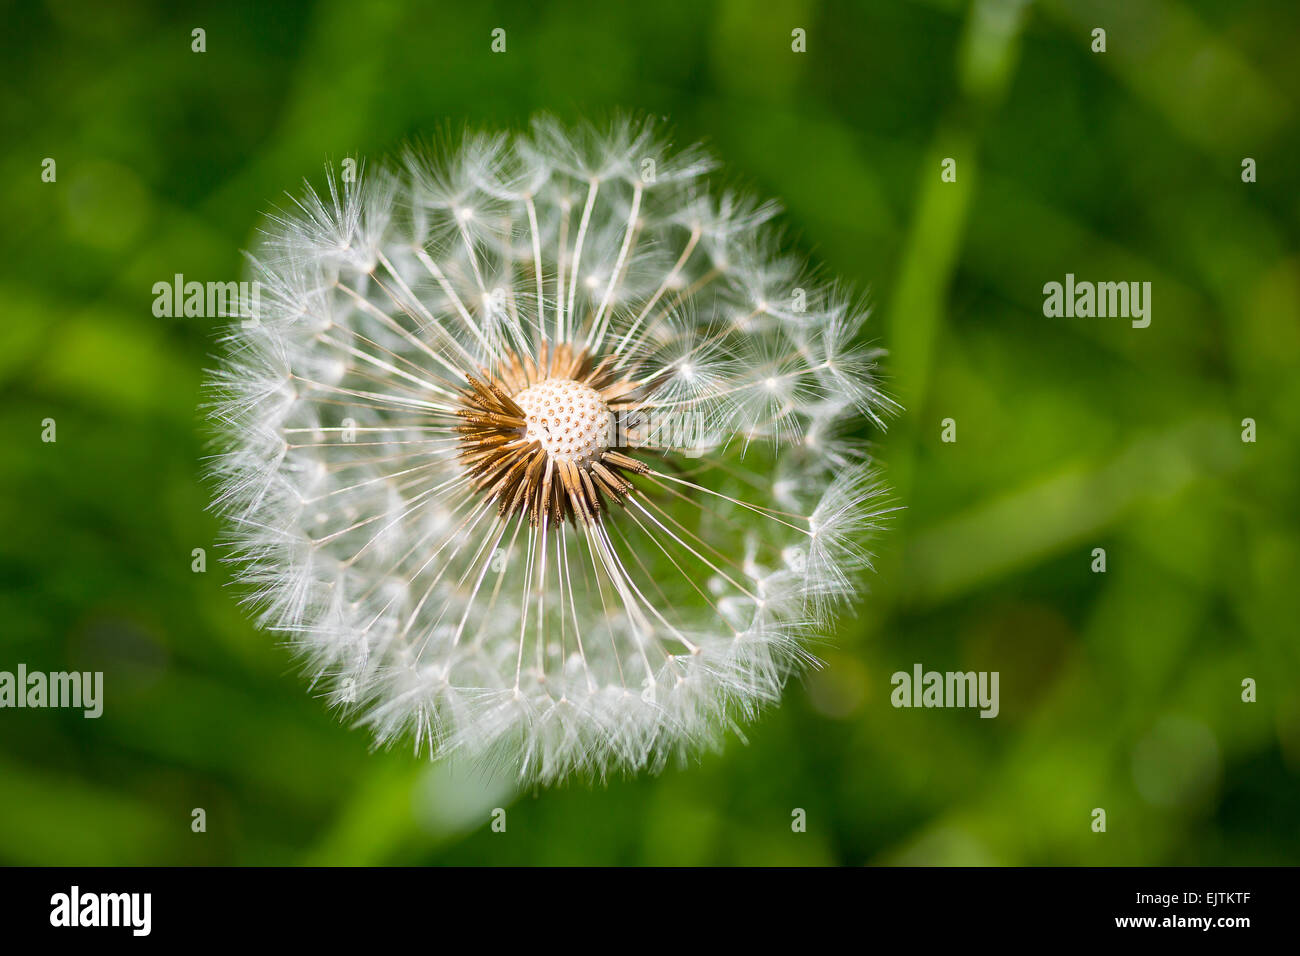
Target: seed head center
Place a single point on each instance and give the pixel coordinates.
(569, 419)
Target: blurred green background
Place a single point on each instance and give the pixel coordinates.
(1119, 690)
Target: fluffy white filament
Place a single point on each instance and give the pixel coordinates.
(570, 647)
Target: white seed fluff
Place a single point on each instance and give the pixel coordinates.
(540, 449)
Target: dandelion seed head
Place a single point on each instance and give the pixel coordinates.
(533, 457)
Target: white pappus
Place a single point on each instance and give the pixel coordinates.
(540, 449)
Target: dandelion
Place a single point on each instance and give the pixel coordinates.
(541, 450)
